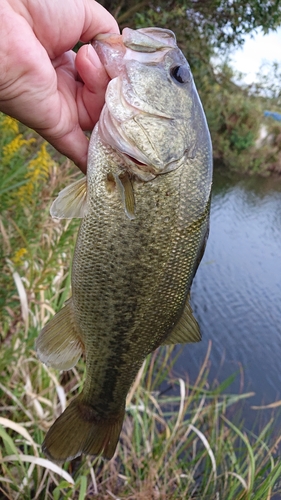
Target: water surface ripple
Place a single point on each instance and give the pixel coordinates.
(236, 295)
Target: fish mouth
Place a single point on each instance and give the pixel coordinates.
(132, 121)
(143, 39)
(143, 45)
(111, 51)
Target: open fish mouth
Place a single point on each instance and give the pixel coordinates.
(135, 120)
(147, 45)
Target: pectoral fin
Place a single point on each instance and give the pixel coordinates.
(59, 344)
(125, 188)
(186, 330)
(71, 201)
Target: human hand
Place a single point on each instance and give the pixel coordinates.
(43, 83)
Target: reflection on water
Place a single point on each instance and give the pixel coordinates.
(236, 295)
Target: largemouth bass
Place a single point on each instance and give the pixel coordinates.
(145, 210)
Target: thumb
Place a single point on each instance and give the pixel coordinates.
(90, 96)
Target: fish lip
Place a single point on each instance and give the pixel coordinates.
(102, 37)
(164, 40)
(114, 49)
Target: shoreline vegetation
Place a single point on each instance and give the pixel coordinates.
(179, 443)
(244, 139)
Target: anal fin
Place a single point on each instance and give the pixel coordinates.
(59, 344)
(186, 330)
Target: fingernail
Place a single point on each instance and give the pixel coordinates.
(93, 56)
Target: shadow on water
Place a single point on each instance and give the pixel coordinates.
(236, 294)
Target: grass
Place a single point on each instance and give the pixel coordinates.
(177, 443)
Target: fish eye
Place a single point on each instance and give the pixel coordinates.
(181, 74)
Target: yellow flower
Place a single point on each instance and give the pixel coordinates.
(10, 124)
(14, 146)
(37, 172)
(18, 256)
(39, 167)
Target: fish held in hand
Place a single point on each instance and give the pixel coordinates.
(145, 219)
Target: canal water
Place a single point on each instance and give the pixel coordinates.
(236, 294)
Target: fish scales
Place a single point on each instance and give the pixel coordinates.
(151, 256)
(142, 236)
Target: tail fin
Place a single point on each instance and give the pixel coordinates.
(79, 429)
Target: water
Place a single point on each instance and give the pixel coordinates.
(236, 294)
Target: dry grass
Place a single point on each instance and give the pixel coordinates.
(175, 444)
